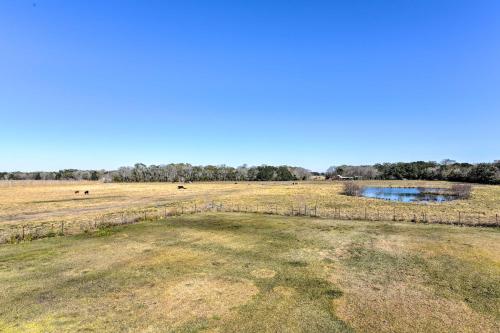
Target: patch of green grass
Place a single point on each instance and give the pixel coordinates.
(474, 283)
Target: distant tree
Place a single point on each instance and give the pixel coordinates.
(266, 172)
(483, 173)
(94, 175)
(330, 172)
(284, 174)
(447, 161)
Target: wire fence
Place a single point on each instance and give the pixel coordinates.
(27, 232)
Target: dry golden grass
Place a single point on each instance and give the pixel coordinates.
(48, 203)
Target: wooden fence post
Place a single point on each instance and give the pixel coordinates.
(23, 232)
(62, 227)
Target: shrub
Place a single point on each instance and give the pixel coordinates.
(352, 189)
(462, 191)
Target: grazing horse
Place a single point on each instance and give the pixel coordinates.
(86, 192)
(180, 187)
(76, 192)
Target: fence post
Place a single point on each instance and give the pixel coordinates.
(366, 215)
(195, 208)
(23, 232)
(62, 227)
(496, 219)
(394, 215)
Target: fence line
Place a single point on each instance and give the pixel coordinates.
(51, 229)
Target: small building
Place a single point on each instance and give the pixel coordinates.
(339, 177)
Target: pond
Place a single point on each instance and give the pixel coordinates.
(408, 194)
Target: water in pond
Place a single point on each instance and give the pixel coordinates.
(408, 194)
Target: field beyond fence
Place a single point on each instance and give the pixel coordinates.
(51, 229)
(31, 210)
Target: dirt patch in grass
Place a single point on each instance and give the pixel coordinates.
(263, 273)
(406, 307)
(205, 298)
(284, 291)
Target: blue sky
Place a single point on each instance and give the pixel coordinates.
(102, 84)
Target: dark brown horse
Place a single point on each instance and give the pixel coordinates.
(180, 187)
(86, 192)
(76, 192)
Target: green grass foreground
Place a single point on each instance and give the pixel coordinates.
(255, 273)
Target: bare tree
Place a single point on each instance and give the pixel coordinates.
(352, 189)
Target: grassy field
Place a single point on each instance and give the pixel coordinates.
(42, 203)
(229, 272)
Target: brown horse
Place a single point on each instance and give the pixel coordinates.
(86, 192)
(180, 187)
(76, 192)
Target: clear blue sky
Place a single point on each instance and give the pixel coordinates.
(102, 84)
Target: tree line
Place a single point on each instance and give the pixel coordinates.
(485, 173)
(178, 172)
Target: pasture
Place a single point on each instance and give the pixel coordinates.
(47, 204)
(231, 272)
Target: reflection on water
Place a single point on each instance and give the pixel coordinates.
(412, 194)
